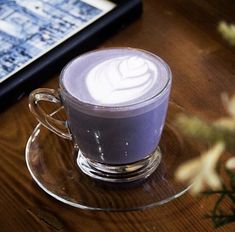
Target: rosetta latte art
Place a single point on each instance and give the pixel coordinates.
(121, 79)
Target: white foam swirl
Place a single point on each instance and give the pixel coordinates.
(121, 79)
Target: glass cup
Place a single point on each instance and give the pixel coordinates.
(113, 143)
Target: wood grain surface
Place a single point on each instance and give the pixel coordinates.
(184, 33)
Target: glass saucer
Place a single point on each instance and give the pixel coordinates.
(51, 161)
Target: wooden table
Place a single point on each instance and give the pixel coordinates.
(183, 33)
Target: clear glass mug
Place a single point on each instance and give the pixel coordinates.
(114, 144)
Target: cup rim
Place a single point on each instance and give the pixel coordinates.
(136, 105)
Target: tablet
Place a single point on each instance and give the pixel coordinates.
(35, 35)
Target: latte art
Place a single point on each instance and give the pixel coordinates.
(121, 79)
(116, 77)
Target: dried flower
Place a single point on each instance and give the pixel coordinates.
(227, 123)
(227, 31)
(201, 171)
(229, 104)
(222, 129)
(230, 164)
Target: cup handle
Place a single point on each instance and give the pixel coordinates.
(50, 95)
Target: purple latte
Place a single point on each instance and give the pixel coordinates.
(116, 102)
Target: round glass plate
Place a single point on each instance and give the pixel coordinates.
(51, 161)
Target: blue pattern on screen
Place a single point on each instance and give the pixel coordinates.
(29, 28)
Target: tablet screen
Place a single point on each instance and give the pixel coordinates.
(29, 29)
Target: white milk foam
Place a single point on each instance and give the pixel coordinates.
(121, 79)
(115, 77)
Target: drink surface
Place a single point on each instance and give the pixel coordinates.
(115, 77)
